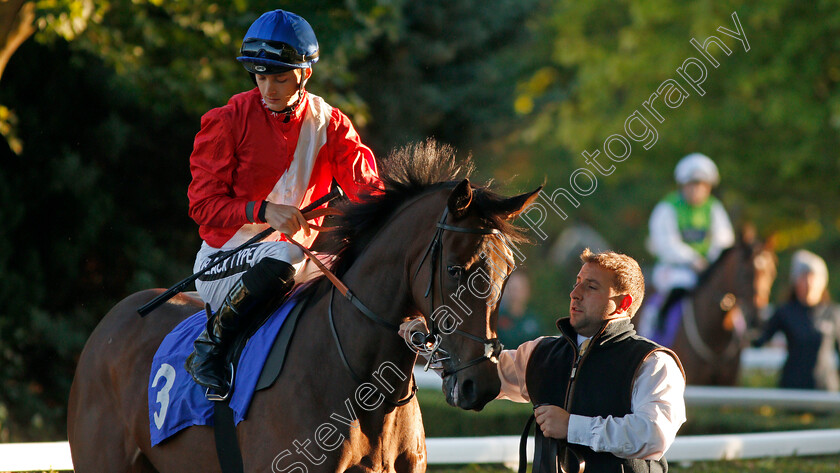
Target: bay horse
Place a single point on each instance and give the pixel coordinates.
(421, 248)
(718, 312)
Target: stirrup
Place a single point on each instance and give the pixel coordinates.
(215, 396)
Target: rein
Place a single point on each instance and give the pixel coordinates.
(348, 294)
(309, 212)
(695, 340)
(692, 330)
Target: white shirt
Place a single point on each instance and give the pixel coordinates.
(674, 257)
(657, 406)
(667, 243)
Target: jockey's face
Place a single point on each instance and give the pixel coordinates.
(594, 300)
(280, 90)
(696, 192)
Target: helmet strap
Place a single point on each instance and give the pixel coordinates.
(288, 111)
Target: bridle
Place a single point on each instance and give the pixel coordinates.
(728, 300)
(492, 346)
(437, 355)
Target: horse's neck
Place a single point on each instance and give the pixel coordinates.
(707, 296)
(379, 278)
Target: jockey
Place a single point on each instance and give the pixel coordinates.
(689, 229)
(255, 162)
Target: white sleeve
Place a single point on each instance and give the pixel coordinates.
(512, 367)
(658, 411)
(666, 242)
(722, 236)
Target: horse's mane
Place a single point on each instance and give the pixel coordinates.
(713, 268)
(408, 172)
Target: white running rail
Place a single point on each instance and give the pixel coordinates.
(505, 449)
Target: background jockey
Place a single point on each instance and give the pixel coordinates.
(255, 162)
(689, 229)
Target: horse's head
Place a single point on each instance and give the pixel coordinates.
(765, 263)
(457, 282)
(752, 270)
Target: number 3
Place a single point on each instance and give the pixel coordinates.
(167, 372)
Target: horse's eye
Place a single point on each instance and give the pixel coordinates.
(455, 271)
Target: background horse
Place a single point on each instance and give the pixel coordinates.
(717, 313)
(428, 246)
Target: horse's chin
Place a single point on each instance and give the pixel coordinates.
(450, 390)
(461, 396)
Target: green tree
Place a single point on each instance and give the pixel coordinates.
(768, 115)
(449, 70)
(105, 103)
(101, 107)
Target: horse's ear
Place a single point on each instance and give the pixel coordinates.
(460, 199)
(511, 207)
(749, 234)
(770, 242)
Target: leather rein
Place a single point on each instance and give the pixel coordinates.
(492, 346)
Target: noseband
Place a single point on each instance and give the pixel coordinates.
(437, 355)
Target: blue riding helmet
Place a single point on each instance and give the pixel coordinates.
(278, 41)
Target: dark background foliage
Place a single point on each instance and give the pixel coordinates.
(99, 108)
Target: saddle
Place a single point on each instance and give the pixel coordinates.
(225, 420)
(224, 426)
(276, 357)
(666, 315)
(176, 402)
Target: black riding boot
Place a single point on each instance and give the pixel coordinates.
(207, 365)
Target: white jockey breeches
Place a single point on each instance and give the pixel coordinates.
(214, 285)
(670, 276)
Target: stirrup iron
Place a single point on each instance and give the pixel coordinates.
(216, 397)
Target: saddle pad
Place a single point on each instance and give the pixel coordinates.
(668, 332)
(177, 402)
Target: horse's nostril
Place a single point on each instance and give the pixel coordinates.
(468, 393)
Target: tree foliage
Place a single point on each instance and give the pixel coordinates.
(100, 109)
(768, 116)
(449, 71)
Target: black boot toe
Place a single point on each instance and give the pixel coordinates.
(208, 373)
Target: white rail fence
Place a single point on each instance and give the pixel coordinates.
(505, 449)
(689, 448)
(35, 456)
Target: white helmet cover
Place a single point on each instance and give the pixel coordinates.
(696, 167)
(806, 262)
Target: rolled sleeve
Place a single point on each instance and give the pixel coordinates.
(511, 368)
